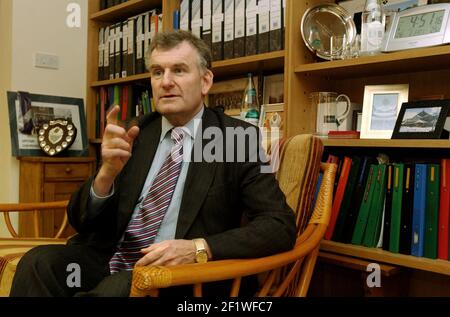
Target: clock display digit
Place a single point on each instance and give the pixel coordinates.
(419, 24)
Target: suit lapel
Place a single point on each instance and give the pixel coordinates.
(198, 180)
(136, 170)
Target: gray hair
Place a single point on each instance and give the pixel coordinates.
(170, 39)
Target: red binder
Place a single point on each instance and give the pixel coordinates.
(338, 197)
(444, 206)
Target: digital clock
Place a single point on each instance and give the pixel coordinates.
(422, 26)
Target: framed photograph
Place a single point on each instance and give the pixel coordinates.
(381, 106)
(271, 123)
(423, 119)
(273, 91)
(272, 116)
(27, 112)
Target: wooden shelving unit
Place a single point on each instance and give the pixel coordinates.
(379, 255)
(426, 70)
(124, 10)
(424, 59)
(442, 144)
(130, 79)
(262, 62)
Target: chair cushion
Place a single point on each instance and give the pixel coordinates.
(298, 174)
(11, 250)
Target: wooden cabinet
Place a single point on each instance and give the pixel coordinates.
(427, 71)
(50, 179)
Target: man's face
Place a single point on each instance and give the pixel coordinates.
(178, 83)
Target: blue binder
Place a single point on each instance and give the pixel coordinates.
(419, 207)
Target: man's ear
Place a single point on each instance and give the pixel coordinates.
(207, 82)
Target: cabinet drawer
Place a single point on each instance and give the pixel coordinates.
(67, 171)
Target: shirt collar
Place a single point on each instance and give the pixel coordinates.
(190, 128)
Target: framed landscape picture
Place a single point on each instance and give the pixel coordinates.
(422, 120)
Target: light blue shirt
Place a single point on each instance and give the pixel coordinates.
(169, 223)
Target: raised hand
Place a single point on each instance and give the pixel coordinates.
(117, 145)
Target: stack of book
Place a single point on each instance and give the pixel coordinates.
(134, 100)
(343, 134)
(234, 28)
(123, 45)
(402, 207)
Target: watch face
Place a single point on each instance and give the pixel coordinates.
(201, 256)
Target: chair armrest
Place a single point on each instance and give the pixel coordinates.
(35, 208)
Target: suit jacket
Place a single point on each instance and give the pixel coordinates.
(216, 196)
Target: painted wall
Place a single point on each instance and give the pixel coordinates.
(37, 26)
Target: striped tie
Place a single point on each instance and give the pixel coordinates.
(142, 229)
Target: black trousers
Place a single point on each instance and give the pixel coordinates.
(46, 271)
(68, 270)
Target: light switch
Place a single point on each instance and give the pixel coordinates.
(44, 60)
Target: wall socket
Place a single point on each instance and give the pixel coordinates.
(44, 60)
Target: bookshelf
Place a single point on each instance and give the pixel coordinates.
(409, 261)
(232, 68)
(426, 70)
(370, 143)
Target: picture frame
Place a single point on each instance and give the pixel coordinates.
(271, 116)
(381, 107)
(27, 112)
(273, 90)
(423, 119)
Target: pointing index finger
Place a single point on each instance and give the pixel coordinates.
(111, 117)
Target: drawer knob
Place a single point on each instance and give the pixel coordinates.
(68, 170)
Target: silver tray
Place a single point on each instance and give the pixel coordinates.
(322, 21)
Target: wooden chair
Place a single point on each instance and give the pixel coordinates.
(12, 249)
(286, 274)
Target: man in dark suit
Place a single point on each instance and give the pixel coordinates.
(197, 204)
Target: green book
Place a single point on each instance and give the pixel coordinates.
(375, 215)
(432, 211)
(396, 211)
(363, 214)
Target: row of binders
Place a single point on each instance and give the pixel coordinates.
(105, 4)
(399, 207)
(234, 28)
(134, 100)
(122, 46)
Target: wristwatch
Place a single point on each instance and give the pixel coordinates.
(201, 256)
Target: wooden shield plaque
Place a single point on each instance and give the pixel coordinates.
(56, 135)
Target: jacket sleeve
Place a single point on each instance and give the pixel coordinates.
(80, 213)
(270, 223)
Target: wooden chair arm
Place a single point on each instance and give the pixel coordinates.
(148, 278)
(35, 208)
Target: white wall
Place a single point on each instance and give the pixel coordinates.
(5, 82)
(40, 26)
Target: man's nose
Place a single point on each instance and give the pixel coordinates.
(167, 79)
